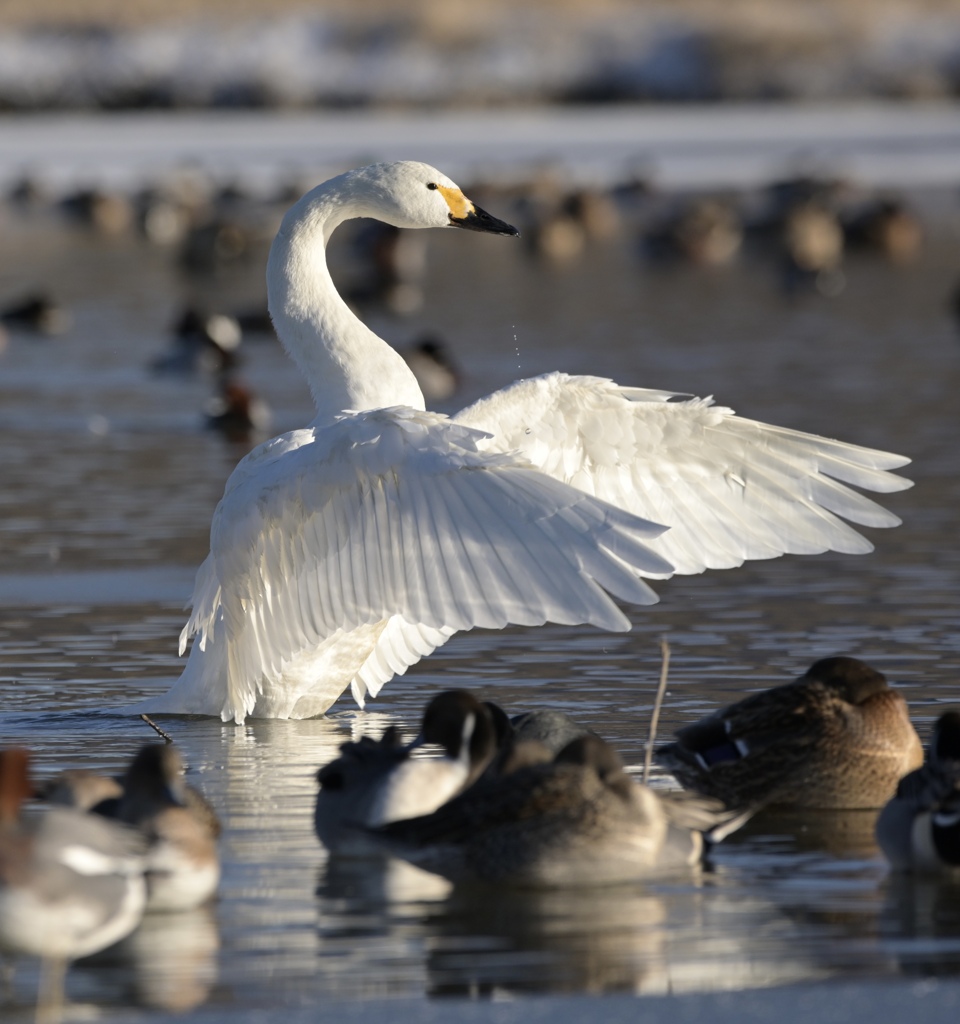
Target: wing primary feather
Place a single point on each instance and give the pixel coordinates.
(849, 504)
(443, 582)
(425, 596)
(488, 599)
(850, 454)
(369, 548)
(553, 572)
(560, 593)
(341, 562)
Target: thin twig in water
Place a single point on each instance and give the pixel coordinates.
(156, 728)
(655, 717)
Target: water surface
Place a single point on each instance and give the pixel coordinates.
(109, 482)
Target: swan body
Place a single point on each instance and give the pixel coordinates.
(344, 552)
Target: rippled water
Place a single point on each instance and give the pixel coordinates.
(108, 487)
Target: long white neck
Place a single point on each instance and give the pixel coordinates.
(346, 365)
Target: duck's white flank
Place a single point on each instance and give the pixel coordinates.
(343, 553)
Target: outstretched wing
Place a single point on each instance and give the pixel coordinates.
(396, 515)
(730, 489)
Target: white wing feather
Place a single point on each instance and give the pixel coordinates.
(730, 489)
(395, 516)
(401, 644)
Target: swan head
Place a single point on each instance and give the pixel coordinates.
(409, 194)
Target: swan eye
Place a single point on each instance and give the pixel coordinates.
(432, 185)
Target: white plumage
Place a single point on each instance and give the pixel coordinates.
(343, 553)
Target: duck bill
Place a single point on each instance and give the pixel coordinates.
(476, 219)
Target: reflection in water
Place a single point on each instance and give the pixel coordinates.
(481, 941)
(608, 940)
(372, 924)
(823, 872)
(350, 884)
(172, 959)
(845, 835)
(920, 920)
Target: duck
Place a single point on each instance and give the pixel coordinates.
(578, 819)
(71, 883)
(553, 728)
(202, 341)
(552, 232)
(236, 411)
(183, 867)
(560, 224)
(162, 219)
(705, 231)
(392, 267)
(556, 237)
(886, 226)
(373, 782)
(531, 737)
(102, 212)
(434, 367)
(38, 313)
(596, 211)
(86, 790)
(82, 789)
(344, 552)
(919, 828)
(214, 243)
(839, 737)
(813, 243)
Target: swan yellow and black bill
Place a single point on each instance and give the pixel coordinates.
(463, 214)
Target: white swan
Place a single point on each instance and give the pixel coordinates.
(343, 553)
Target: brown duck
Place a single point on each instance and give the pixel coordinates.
(838, 737)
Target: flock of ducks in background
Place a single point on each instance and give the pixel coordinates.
(530, 800)
(808, 225)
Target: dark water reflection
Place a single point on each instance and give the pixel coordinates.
(108, 488)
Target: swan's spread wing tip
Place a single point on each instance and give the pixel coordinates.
(730, 489)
